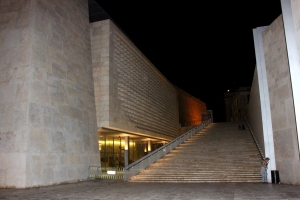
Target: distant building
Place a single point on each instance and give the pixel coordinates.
(236, 102)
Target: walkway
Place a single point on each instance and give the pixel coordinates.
(119, 190)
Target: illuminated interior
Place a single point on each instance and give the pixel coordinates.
(112, 148)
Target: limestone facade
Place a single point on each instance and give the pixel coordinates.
(253, 113)
(131, 94)
(281, 100)
(276, 59)
(48, 130)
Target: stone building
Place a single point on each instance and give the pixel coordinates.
(75, 94)
(47, 105)
(273, 111)
(134, 101)
(236, 104)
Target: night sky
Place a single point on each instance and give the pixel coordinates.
(202, 47)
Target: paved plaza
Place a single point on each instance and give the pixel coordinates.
(119, 190)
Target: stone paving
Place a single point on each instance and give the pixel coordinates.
(116, 189)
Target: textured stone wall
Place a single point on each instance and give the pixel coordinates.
(281, 102)
(48, 131)
(131, 94)
(253, 114)
(190, 109)
(15, 60)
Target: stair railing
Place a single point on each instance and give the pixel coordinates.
(141, 164)
(255, 141)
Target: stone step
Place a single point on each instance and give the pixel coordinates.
(195, 175)
(210, 173)
(200, 171)
(218, 153)
(198, 181)
(174, 163)
(195, 166)
(202, 177)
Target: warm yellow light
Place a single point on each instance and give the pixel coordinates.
(99, 143)
(126, 143)
(149, 145)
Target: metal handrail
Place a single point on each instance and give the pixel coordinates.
(256, 143)
(141, 164)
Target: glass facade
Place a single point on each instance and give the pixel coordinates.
(112, 151)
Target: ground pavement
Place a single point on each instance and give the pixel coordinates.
(119, 190)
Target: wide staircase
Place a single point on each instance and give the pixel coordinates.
(219, 153)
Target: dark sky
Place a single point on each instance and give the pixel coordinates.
(203, 47)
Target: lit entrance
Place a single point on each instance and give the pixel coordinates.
(118, 149)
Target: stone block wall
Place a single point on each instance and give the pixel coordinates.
(131, 94)
(281, 102)
(253, 115)
(15, 60)
(48, 131)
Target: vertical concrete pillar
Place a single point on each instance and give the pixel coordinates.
(48, 125)
(293, 57)
(126, 147)
(264, 99)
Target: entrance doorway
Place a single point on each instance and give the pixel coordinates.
(112, 151)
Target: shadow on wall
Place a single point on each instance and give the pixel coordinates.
(190, 108)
